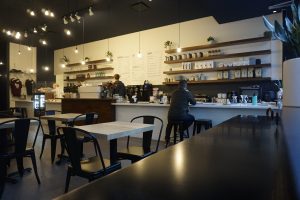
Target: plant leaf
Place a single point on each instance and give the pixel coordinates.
(289, 25)
(295, 12)
(268, 24)
(279, 32)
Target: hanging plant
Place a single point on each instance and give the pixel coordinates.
(109, 54)
(65, 59)
(168, 44)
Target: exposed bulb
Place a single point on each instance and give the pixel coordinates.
(29, 48)
(19, 52)
(139, 55)
(63, 65)
(107, 59)
(83, 62)
(31, 70)
(178, 50)
(76, 50)
(46, 68)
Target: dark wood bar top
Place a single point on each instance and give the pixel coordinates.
(104, 107)
(244, 158)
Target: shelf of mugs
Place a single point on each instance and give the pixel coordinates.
(89, 62)
(89, 70)
(201, 57)
(91, 78)
(215, 69)
(221, 44)
(222, 81)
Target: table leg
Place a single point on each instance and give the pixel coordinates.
(113, 151)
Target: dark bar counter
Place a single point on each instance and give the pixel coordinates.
(102, 106)
(243, 158)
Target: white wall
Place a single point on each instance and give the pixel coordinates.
(194, 32)
(25, 62)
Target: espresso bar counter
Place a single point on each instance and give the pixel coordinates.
(243, 158)
(218, 113)
(102, 106)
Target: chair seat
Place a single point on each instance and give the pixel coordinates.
(93, 164)
(133, 153)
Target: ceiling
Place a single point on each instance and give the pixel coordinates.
(116, 17)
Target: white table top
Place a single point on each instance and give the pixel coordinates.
(67, 117)
(11, 124)
(117, 129)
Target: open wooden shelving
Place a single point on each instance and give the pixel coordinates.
(89, 70)
(89, 62)
(233, 55)
(92, 78)
(222, 44)
(216, 69)
(222, 81)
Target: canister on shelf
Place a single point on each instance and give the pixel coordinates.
(244, 73)
(258, 72)
(220, 75)
(250, 72)
(179, 57)
(231, 74)
(225, 75)
(237, 73)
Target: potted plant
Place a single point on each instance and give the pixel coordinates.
(289, 34)
(211, 40)
(168, 44)
(109, 55)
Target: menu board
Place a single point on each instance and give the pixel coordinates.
(123, 68)
(154, 71)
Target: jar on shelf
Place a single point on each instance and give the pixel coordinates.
(258, 72)
(225, 75)
(237, 74)
(220, 75)
(250, 72)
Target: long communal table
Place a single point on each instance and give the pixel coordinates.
(243, 158)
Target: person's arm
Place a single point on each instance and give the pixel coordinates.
(191, 98)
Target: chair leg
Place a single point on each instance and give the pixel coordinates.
(175, 133)
(194, 128)
(69, 174)
(43, 146)
(181, 132)
(53, 148)
(95, 146)
(35, 167)
(199, 126)
(62, 146)
(2, 175)
(20, 165)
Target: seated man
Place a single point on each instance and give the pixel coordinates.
(179, 108)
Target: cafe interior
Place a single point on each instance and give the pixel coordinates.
(149, 99)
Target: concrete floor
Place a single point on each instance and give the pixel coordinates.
(53, 176)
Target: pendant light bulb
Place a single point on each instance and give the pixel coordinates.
(91, 13)
(65, 20)
(19, 52)
(46, 68)
(139, 55)
(83, 62)
(178, 50)
(29, 48)
(63, 65)
(76, 50)
(107, 58)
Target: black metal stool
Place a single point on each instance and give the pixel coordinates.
(198, 123)
(176, 125)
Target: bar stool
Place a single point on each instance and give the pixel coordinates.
(175, 125)
(198, 123)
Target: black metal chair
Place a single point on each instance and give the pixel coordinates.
(51, 135)
(20, 148)
(136, 153)
(90, 168)
(89, 118)
(6, 114)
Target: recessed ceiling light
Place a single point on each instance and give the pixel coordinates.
(18, 35)
(67, 31)
(30, 12)
(274, 11)
(8, 33)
